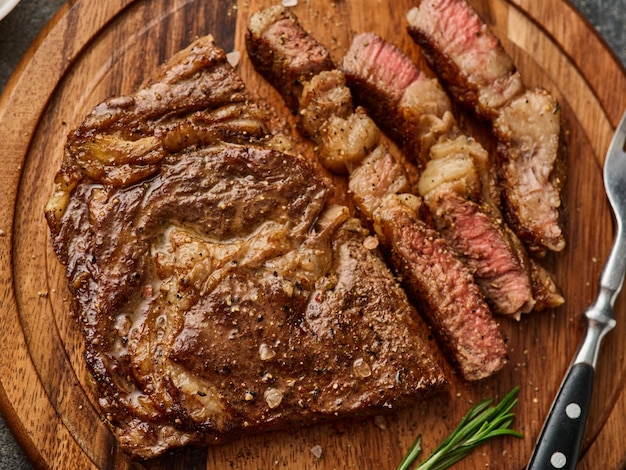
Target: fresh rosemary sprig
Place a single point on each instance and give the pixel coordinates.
(481, 423)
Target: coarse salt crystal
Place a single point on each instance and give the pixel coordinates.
(361, 368)
(123, 324)
(233, 58)
(288, 288)
(266, 352)
(273, 397)
(290, 3)
(316, 450)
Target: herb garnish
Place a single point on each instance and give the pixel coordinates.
(481, 423)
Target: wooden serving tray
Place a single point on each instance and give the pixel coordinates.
(92, 50)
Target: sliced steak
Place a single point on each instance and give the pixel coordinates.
(466, 55)
(484, 247)
(472, 339)
(348, 141)
(219, 289)
(453, 188)
(456, 180)
(479, 73)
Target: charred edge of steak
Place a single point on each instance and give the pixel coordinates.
(281, 50)
(442, 288)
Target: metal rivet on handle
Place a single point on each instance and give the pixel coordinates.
(558, 460)
(573, 410)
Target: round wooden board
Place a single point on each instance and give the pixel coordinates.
(92, 50)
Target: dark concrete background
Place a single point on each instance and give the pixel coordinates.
(22, 25)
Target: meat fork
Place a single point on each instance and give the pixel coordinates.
(558, 446)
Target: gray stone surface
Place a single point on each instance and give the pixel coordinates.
(609, 19)
(20, 28)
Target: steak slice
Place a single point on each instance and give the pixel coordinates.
(408, 106)
(289, 66)
(479, 73)
(219, 289)
(466, 55)
(532, 154)
(348, 141)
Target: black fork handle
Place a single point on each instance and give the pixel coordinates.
(558, 446)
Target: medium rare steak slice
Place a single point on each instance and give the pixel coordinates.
(465, 54)
(219, 289)
(480, 74)
(348, 141)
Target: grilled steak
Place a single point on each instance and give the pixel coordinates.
(411, 108)
(220, 290)
(531, 152)
(348, 141)
(481, 75)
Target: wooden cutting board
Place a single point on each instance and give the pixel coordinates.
(92, 50)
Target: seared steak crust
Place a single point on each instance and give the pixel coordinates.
(348, 141)
(480, 74)
(219, 291)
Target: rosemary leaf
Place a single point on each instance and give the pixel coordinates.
(412, 454)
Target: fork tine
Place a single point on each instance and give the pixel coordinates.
(619, 138)
(614, 171)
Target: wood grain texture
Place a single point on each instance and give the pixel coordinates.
(92, 50)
